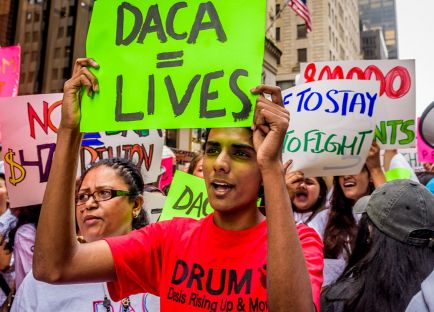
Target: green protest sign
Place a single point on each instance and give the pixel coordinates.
(174, 64)
(187, 198)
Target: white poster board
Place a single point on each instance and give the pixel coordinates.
(29, 127)
(153, 205)
(332, 126)
(395, 126)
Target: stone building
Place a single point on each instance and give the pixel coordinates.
(381, 14)
(52, 34)
(335, 36)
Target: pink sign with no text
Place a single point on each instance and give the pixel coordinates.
(9, 70)
(425, 153)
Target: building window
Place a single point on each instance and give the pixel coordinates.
(71, 10)
(66, 73)
(67, 52)
(301, 55)
(69, 31)
(56, 52)
(60, 32)
(30, 77)
(171, 138)
(285, 84)
(62, 12)
(301, 31)
(277, 33)
(34, 56)
(55, 73)
(277, 9)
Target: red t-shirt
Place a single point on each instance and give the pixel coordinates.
(193, 265)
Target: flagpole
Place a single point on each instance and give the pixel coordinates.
(277, 14)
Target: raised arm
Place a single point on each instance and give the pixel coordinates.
(288, 281)
(58, 257)
(292, 179)
(374, 165)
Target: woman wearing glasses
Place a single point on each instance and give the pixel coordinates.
(233, 259)
(108, 203)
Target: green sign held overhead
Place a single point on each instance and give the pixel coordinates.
(187, 198)
(174, 64)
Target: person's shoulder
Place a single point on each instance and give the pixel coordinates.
(180, 221)
(26, 228)
(333, 298)
(177, 225)
(322, 214)
(319, 221)
(306, 232)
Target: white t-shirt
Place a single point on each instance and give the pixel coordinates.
(333, 268)
(301, 217)
(319, 222)
(34, 295)
(399, 161)
(23, 251)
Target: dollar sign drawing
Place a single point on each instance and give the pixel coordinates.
(9, 158)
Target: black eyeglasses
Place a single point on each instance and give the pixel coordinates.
(101, 195)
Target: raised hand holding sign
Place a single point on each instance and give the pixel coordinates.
(177, 64)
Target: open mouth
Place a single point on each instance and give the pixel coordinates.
(221, 187)
(349, 184)
(301, 195)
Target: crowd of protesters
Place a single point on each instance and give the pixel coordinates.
(344, 243)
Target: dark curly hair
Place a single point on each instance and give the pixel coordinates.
(131, 175)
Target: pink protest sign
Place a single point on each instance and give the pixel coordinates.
(425, 153)
(167, 176)
(9, 70)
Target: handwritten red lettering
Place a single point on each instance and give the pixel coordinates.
(386, 81)
(46, 123)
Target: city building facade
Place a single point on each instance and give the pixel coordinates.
(52, 34)
(8, 11)
(335, 36)
(373, 44)
(381, 14)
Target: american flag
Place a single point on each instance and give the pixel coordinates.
(300, 7)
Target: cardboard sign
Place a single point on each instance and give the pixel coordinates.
(410, 155)
(167, 176)
(29, 142)
(187, 198)
(332, 126)
(142, 147)
(174, 64)
(425, 152)
(9, 70)
(397, 102)
(154, 203)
